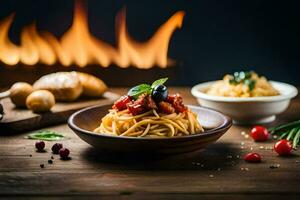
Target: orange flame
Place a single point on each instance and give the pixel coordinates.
(78, 46)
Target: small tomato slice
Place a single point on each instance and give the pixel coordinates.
(135, 109)
(252, 157)
(121, 104)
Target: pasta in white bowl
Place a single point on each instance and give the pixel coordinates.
(247, 110)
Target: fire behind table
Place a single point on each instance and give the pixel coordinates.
(41, 52)
(219, 36)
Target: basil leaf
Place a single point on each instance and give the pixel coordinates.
(159, 82)
(46, 135)
(136, 91)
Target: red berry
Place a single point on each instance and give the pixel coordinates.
(259, 133)
(56, 147)
(252, 157)
(64, 153)
(283, 147)
(40, 145)
(121, 104)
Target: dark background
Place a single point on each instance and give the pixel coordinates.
(217, 36)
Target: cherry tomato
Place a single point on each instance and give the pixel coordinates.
(177, 102)
(121, 104)
(259, 133)
(283, 147)
(252, 157)
(135, 108)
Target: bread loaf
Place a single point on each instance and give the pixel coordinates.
(65, 86)
(92, 86)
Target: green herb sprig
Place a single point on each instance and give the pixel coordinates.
(243, 77)
(136, 91)
(45, 135)
(289, 131)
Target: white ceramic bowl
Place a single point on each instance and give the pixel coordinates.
(250, 110)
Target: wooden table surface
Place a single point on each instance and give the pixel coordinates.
(218, 171)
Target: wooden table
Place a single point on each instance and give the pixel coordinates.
(218, 171)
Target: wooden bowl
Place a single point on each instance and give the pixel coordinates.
(83, 122)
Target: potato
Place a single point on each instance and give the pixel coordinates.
(40, 101)
(19, 92)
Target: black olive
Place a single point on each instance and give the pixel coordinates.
(159, 93)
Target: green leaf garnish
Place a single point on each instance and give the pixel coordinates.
(138, 90)
(250, 83)
(289, 131)
(296, 139)
(159, 82)
(45, 135)
(243, 77)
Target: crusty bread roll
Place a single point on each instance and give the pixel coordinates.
(92, 86)
(65, 86)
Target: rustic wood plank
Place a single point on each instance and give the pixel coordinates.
(126, 195)
(218, 171)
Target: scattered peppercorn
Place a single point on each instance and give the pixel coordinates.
(56, 147)
(274, 166)
(40, 145)
(42, 165)
(64, 153)
(50, 162)
(52, 157)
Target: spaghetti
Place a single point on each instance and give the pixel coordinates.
(149, 124)
(149, 111)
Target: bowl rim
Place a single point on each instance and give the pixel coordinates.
(227, 123)
(290, 92)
